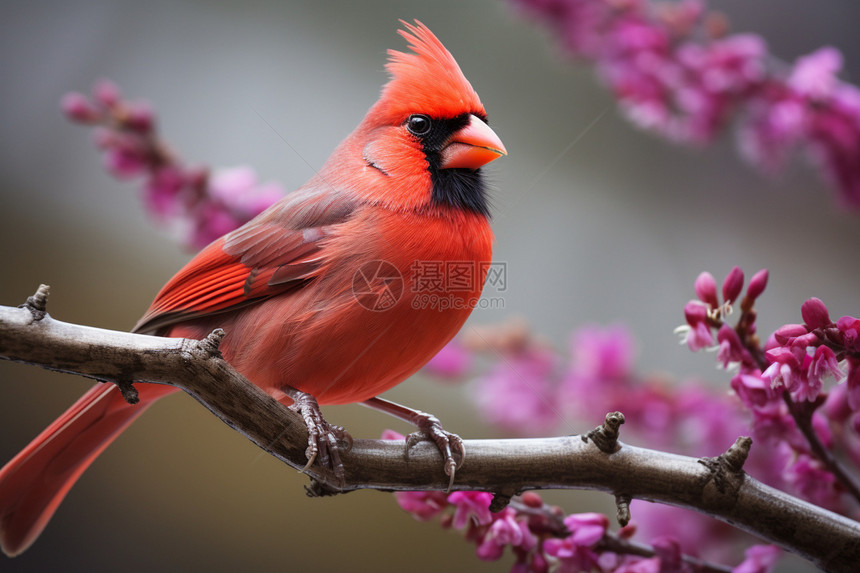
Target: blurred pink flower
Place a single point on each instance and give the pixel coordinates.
(451, 363)
(505, 531)
(674, 71)
(471, 506)
(809, 479)
(759, 559)
(423, 505)
(519, 392)
(576, 551)
(199, 208)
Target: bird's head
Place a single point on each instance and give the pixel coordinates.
(427, 136)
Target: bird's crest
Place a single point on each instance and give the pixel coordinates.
(428, 81)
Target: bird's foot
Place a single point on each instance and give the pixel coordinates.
(429, 427)
(450, 445)
(325, 441)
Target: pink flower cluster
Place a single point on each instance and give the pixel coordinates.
(706, 313)
(531, 389)
(197, 205)
(803, 356)
(542, 538)
(675, 70)
(802, 388)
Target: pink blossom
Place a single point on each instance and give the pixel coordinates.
(600, 368)
(537, 564)
(786, 334)
(757, 284)
(639, 565)
(698, 336)
(107, 93)
(211, 222)
(185, 198)
(730, 349)
(669, 551)
(853, 383)
(124, 163)
(685, 528)
(140, 116)
(676, 75)
(815, 314)
(423, 505)
(788, 370)
(391, 435)
(813, 482)
(733, 284)
(161, 193)
(451, 363)
(471, 506)
(822, 366)
(773, 129)
(77, 107)
(836, 406)
(706, 289)
(575, 552)
(604, 353)
(240, 192)
(821, 427)
(759, 559)
(505, 530)
(752, 390)
(586, 528)
(519, 392)
(703, 423)
(772, 425)
(849, 328)
(814, 75)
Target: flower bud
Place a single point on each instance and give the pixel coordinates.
(531, 499)
(815, 314)
(106, 93)
(733, 284)
(706, 289)
(785, 333)
(695, 312)
(77, 107)
(140, 117)
(757, 284)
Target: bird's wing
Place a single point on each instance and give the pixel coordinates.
(277, 252)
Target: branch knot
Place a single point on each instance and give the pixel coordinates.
(605, 437)
(622, 506)
(727, 469)
(210, 344)
(129, 392)
(37, 303)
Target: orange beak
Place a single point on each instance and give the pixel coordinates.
(472, 146)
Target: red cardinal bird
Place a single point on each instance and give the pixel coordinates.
(320, 295)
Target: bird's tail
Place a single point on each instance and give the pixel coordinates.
(34, 482)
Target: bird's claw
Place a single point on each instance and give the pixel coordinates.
(325, 441)
(449, 445)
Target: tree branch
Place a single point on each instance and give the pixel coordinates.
(717, 486)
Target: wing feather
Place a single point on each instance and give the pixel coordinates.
(277, 252)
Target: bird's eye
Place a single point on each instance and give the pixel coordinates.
(418, 124)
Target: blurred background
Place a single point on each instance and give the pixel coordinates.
(615, 229)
